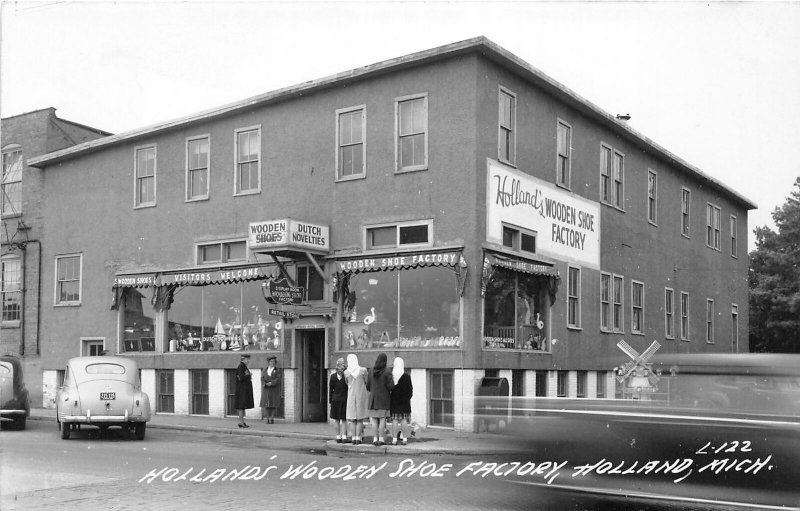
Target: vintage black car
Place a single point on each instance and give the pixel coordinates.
(15, 404)
(713, 430)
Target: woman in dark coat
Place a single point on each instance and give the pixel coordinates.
(243, 394)
(400, 406)
(270, 390)
(337, 397)
(380, 385)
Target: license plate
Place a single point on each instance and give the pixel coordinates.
(108, 396)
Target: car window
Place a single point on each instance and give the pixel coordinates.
(5, 370)
(67, 377)
(105, 369)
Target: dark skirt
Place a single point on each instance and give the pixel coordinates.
(339, 410)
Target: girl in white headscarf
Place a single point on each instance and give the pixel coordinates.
(357, 396)
(400, 406)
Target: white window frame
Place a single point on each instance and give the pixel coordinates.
(6, 259)
(398, 226)
(606, 173)
(618, 177)
(734, 328)
(222, 244)
(188, 197)
(669, 313)
(637, 307)
(566, 182)
(686, 216)
(685, 330)
(709, 321)
(713, 226)
(398, 136)
(734, 226)
(501, 138)
(92, 341)
(16, 209)
(609, 315)
(652, 197)
(137, 203)
(576, 297)
(56, 301)
(516, 244)
(309, 271)
(237, 192)
(363, 173)
(618, 306)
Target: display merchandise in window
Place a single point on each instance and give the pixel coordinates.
(415, 309)
(139, 322)
(515, 311)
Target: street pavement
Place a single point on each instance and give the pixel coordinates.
(427, 441)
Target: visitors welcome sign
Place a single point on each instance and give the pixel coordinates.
(566, 225)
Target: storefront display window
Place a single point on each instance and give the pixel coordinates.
(138, 322)
(515, 311)
(222, 317)
(414, 308)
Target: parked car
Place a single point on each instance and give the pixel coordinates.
(730, 422)
(102, 392)
(15, 404)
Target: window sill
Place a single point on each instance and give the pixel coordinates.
(10, 324)
(408, 170)
(247, 192)
(145, 206)
(12, 215)
(198, 199)
(67, 304)
(354, 177)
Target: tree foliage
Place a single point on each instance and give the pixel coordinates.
(774, 281)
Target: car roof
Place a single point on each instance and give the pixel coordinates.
(80, 363)
(775, 364)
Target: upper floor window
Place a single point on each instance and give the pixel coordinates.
(637, 307)
(11, 191)
(686, 200)
(669, 313)
(197, 168)
(506, 150)
(311, 281)
(574, 298)
(734, 238)
(11, 288)
(412, 133)
(145, 176)
(222, 252)
(710, 320)
(617, 292)
(684, 316)
(68, 279)
(564, 143)
(712, 226)
(351, 135)
(396, 235)
(612, 177)
(519, 239)
(652, 196)
(247, 178)
(605, 302)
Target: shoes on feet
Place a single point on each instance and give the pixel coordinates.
(338, 440)
(405, 441)
(241, 425)
(394, 441)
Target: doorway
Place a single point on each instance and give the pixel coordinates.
(314, 398)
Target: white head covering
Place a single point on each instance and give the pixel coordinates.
(398, 368)
(352, 365)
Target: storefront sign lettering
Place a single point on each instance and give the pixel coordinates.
(283, 314)
(447, 258)
(191, 278)
(139, 280)
(289, 234)
(281, 292)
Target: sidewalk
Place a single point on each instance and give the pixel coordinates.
(429, 441)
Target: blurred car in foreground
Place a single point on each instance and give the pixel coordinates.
(14, 399)
(102, 392)
(716, 430)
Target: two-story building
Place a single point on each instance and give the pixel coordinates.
(455, 207)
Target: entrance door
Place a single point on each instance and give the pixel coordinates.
(313, 377)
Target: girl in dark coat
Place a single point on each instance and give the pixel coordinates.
(400, 406)
(243, 393)
(270, 390)
(380, 385)
(337, 397)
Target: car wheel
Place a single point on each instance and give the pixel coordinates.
(64, 430)
(140, 428)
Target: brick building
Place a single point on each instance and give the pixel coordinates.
(23, 137)
(455, 207)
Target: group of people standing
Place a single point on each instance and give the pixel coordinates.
(356, 394)
(270, 390)
(379, 394)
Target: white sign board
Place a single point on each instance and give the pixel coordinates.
(567, 226)
(289, 234)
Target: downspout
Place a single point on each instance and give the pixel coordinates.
(22, 301)
(38, 298)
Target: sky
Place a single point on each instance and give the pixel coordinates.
(715, 83)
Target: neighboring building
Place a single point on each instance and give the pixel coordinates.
(455, 207)
(24, 137)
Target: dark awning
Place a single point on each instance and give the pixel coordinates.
(521, 264)
(196, 276)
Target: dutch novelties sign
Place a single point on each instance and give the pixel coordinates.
(288, 234)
